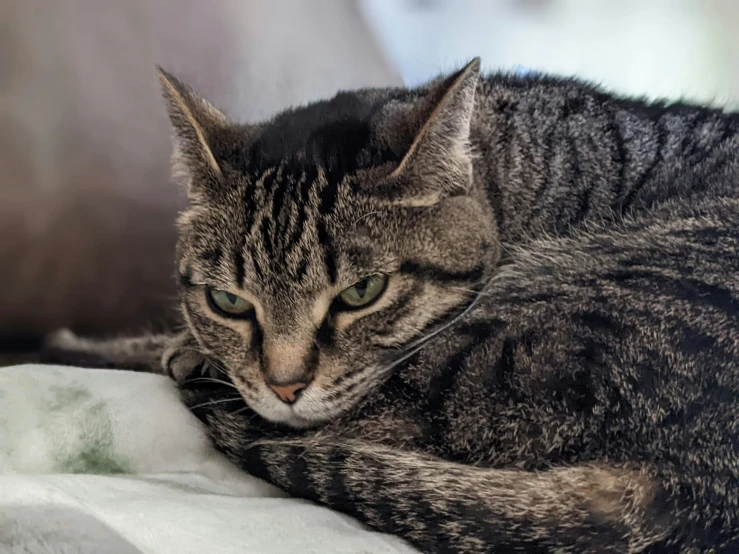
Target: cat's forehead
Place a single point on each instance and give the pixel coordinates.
(281, 234)
(338, 136)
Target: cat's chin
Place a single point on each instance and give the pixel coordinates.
(290, 420)
(286, 415)
(297, 422)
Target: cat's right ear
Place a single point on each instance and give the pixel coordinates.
(196, 122)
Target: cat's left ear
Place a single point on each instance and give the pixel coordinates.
(439, 161)
(196, 122)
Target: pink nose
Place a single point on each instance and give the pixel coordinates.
(288, 393)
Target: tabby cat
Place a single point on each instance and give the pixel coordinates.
(488, 315)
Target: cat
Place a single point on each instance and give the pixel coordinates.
(489, 314)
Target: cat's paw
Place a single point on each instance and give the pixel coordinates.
(182, 361)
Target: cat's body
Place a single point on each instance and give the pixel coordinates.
(578, 387)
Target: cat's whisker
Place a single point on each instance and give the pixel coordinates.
(215, 402)
(434, 333)
(213, 363)
(212, 380)
(416, 346)
(240, 410)
(366, 216)
(464, 289)
(218, 367)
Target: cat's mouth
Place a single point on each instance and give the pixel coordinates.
(304, 413)
(202, 394)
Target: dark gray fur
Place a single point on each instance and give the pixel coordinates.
(557, 370)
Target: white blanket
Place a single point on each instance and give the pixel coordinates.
(111, 462)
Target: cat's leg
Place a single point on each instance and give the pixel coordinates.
(175, 355)
(444, 507)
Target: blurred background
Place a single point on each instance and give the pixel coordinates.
(86, 206)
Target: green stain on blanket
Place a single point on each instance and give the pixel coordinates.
(87, 447)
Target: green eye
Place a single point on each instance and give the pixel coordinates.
(365, 292)
(228, 304)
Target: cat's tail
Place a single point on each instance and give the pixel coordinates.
(142, 353)
(444, 507)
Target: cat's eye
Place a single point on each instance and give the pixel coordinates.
(228, 304)
(363, 293)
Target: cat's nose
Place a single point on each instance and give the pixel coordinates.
(288, 393)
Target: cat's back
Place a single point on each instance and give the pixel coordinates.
(557, 153)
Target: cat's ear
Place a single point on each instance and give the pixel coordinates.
(195, 123)
(439, 159)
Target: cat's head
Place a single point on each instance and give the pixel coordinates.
(319, 246)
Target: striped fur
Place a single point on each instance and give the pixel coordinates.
(554, 364)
